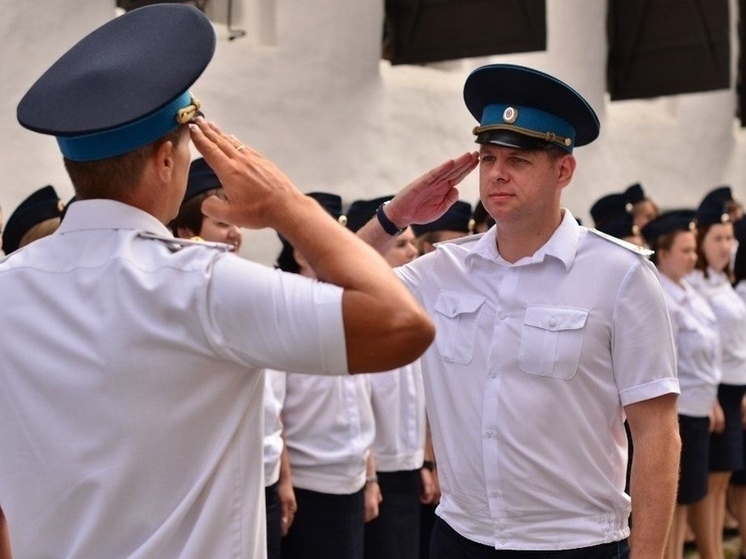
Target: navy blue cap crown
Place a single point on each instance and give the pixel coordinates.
(720, 195)
(620, 227)
(201, 179)
(611, 206)
(41, 205)
(668, 222)
(457, 218)
(713, 207)
(635, 193)
(361, 212)
(124, 85)
(332, 203)
(524, 108)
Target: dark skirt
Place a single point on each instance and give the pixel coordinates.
(726, 448)
(395, 534)
(326, 526)
(695, 444)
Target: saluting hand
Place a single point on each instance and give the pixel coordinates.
(428, 197)
(257, 190)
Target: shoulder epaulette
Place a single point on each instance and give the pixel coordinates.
(642, 251)
(175, 244)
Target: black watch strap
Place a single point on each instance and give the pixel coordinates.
(386, 223)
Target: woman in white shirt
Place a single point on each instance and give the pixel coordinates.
(738, 480)
(712, 279)
(398, 400)
(694, 327)
(329, 430)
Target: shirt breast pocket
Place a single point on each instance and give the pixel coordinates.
(551, 340)
(457, 319)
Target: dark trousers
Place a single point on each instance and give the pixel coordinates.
(326, 527)
(427, 521)
(395, 534)
(448, 544)
(274, 515)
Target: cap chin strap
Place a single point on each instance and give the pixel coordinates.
(551, 137)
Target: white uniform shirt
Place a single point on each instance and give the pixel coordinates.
(274, 394)
(329, 430)
(131, 390)
(398, 399)
(741, 289)
(730, 311)
(526, 381)
(695, 332)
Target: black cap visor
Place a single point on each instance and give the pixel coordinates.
(510, 139)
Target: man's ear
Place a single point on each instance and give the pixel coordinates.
(164, 160)
(565, 170)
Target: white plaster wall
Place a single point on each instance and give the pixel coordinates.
(306, 87)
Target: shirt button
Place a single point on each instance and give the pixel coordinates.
(501, 527)
(553, 322)
(501, 316)
(493, 374)
(495, 493)
(489, 434)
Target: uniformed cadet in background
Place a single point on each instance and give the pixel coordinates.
(672, 237)
(737, 489)
(548, 336)
(608, 207)
(723, 200)
(328, 428)
(398, 400)
(712, 278)
(612, 215)
(724, 195)
(131, 389)
(36, 217)
(642, 207)
(191, 222)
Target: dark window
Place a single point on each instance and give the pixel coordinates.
(127, 5)
(419, 31)
(666, 47)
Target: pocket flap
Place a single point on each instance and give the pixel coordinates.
(454, 304)
(555, 318)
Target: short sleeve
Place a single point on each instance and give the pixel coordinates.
(269, 318)
(643, 350)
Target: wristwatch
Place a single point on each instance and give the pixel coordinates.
(386, 223)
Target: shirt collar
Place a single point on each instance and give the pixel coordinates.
(677, 291)
(562, 245)
(108, 214)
